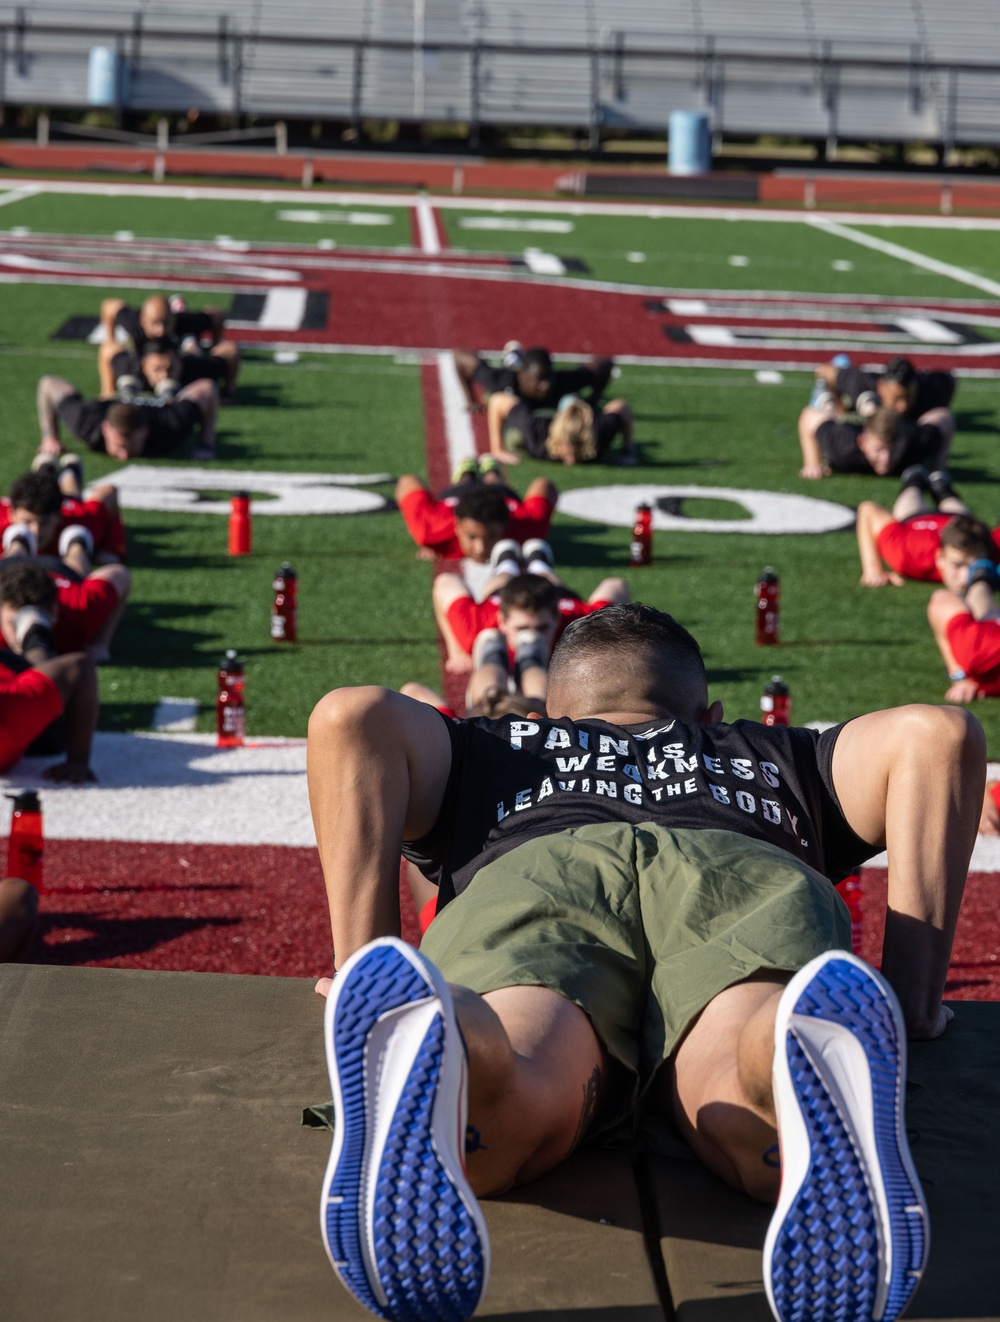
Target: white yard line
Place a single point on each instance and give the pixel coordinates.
(430, 243)
(18, 194)
(958, 273)
(457, 423)
(175, 715)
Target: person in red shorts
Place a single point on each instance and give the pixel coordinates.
(474, 515)
(908, 538)
(966, 627)
(49, 500)
(90, 602)
(36, 686)
(461, 618)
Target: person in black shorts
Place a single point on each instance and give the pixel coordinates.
(524, 396)
(899, 386)
(127, 428)
(196, 336)
(885, 443)
(634, 916)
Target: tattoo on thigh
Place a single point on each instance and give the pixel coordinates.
(591, 1092)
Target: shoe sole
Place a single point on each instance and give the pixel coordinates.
(850, 1235)
(401, 1226)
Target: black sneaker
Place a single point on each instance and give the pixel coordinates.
(940, 485)
(915, 476)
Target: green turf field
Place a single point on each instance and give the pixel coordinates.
(364, 597)
(697, 253)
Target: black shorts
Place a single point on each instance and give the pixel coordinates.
(492, 380)
(82, 418)
(193, 323)
(203, 367)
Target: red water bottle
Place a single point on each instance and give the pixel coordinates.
(229, 711)
(849, 891)
(776, 702)
(26, 846)
(768, 591)
(285, 611)
(641, 550)
(239, 523)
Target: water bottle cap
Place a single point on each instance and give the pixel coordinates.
(26, 801)
(286, 570)
(241, 495)
(231, 661)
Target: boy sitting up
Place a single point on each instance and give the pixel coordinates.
(47, 503)
(90, 602)
(480, 516)
(883, 444)
(461, 618)
(36, 685)
(965, 620)
(908, 539)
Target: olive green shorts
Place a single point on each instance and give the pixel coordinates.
(638, 925)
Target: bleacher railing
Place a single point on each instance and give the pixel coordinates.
(782, 90)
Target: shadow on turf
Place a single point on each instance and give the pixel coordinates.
(111, 938)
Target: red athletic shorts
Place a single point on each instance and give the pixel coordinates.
(84, 609)
(975, 645)
(911, 546)
(431, 522)
(29, 702)
(468, 618)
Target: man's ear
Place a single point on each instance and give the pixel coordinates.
(712, 715)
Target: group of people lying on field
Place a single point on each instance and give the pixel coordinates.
(162, 370)
(63, 590)
(63, 584)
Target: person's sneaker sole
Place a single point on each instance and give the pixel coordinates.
(401, 1226)
(850, 1235)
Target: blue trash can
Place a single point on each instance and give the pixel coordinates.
(107, 78)
(690, 142)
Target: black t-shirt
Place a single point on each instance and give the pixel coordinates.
(934, 389)
(564, 381)
(513, 780)
(838, 443)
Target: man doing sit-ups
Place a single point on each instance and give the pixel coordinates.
(635, 912)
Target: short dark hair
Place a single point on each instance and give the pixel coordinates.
(900, 370)
(969, 536)
(633, 641)
(538, 359)
(36, 492)
(483, 503)
(126, 418)
(24, 582)
(529, 592)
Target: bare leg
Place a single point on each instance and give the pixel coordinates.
(446, 590)
(99, 647)
(944, 421)
(720, 1078)
(536, 1070)
(205, 395)
(52, 390)
(18, 919)
(614, 590)
(872, 519)
(490, 671)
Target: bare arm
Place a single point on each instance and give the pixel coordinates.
(497, 411)
(911, 781)
(75, 677)
(110, 307)
(466, 362)
(872, 519)
(378, 767)
(812, 459)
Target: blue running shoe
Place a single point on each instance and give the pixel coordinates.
(849, 1238)
(401, 1225)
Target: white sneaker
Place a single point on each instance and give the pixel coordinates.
(401, 1225)
(849, 1238)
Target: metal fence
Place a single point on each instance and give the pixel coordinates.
(820, 92)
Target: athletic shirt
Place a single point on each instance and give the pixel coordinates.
(513, 780)
(934, 389)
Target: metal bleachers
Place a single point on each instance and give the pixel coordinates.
(896, 70)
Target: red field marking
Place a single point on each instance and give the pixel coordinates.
(196, 908)
(975, 964)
